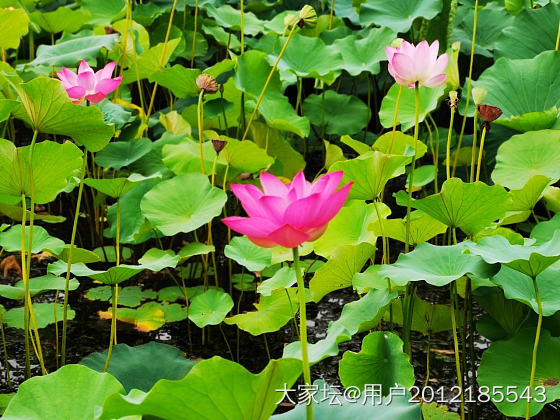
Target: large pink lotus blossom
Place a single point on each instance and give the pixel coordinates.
(288, 214)
(409, 64)
(89, 85)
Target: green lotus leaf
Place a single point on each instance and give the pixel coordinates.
(227, 16)
(116, 187)
(131, 296)
(282, 279)
(527, 259)
(16, 213)
(516, 6)
(398, 143)
(44, 315)
(58, 115)
(432, 411)
(496, 370)
(113, 275)
(182, 204)
(62, 19)
(338, 271)
(48, 179)
(273, 312)
(380, 361)
(141, 367)
(108, 253)
(544, 231)
(210, 307)
(104, 12)
(245, 156)
(552, 199)
(180, 80)
(469, 207)
(78, 255)
(422, 228)
(34, 399)
(436, 265)
(429, 98)
(340, 114)
(119, 154)
(150, 316)
(252, 72)
(246, 253)
(156, 259)
(531, 32)
(350, 227)
(194, 248)
(525, 106)
(370, 172)
(184, 157)
(13, 26)
(37, 285)
(357, 316)
(10, 240)
(397, 15)
(214, 389)
(69, 53)
(149, 62)
(364, 54)
(525, 199)
(525, 155)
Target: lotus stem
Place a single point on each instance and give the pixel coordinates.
(453, 288)
(482, 138)
(194, 32)
(268, 79)
(395, 117)
(113, 326)
(469, 86)
(451, 21)
(475, 134)
(6, 360)
(303, 329)
(200, 118)
(69, 263)
(557, 38)
(411, 183)
(449, 134)
(242, 35)
(125, 42)
(331, 15)
(535, 348)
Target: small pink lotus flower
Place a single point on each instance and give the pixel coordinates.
(288, 215)
(88, 85)
(409, 64)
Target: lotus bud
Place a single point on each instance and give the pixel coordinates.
(307, 16)
(207, 83)
(218, 145)
(479, 95)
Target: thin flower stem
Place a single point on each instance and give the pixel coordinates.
(200, 118)
(269, 78)
(331, 15)
(385, 256)
(436, 157)
(242, 35)
(26, 286)
(482, 138)
(411, 183)
(194, 33)
(69, 262)
(535, 348)
(127, 25)
(5, 349)
(449, 134)
(469, 87)
(303, 328)
(456, 346)
(395, 117)
(557, 38)
(475, 134)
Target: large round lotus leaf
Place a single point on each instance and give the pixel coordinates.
(527, 259)
(149, 62)
(72, 392)
(526, 155)
(46, 106)
(131, 296)
(122, 153)
(508, 364)
(370, 172)
(14, 25)
(148, 317)
(544, 231)
(429, 98)
(48, 179)
(364, 54)
(229, 17)
(10, 240)
(37, 285)
(380, 361)
(182, 204)
(44, 315)
(246, 253)
(251, 75)
(422, 228)
(340, 114)
(273, 312)
(214, 389)
(62, 19)
(397, 15)
(468, 206)
(210, 307)
(142, 366)
(525, 199)
(492, 19)
(520, 287)
(521, 89)
(282, 279)
(437, 265)
(357, 316)
(335, 407)
(103, 12)
(350, 227)
(532, 32)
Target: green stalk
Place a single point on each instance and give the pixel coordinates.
(449, 133)
(69, 263)
(331, 14)
(535, 348)
(475, 134)
(557, 38)
(6, 362)
(242, 11)
(200, 119)
(303, 329)
(482, 138)
(469, 86)
(456, 346)
(269, 78)
(113, 334)
(411, 183)
(395, 116)
(194, 34)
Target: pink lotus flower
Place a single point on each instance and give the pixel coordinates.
(409, 64)
(288, 215)
(88, 85)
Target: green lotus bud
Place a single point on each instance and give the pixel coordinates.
(479, 95)
(307, 16)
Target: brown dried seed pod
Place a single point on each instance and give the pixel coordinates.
(218, 145)
(207, 83)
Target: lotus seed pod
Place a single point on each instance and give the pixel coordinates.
(308, 16)
(218, 145)
(479, 95)
(207, 83)
(397, 43)
(290, 20)
(453, 99)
